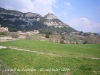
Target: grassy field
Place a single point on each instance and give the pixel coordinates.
(65, 59)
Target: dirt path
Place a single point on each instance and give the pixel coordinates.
(4, 68)
(46, 53)
(1, 47)
(34, 51)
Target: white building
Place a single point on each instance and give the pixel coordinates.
(3, 29)
(36, 32)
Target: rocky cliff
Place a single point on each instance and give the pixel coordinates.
(52, 20)
(16, 20)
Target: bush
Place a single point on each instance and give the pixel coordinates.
(62, 42)
(85, 67)
(47, 36)
(3, 33)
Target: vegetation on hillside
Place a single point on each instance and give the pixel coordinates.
(16, 20)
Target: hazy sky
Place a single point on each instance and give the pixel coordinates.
(83, 15)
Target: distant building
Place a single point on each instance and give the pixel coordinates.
(22, 35)
(3, 29)
(27, 33)
(6, 38)
(36, 32)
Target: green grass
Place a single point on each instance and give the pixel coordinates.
(76, 58)
(82, 50)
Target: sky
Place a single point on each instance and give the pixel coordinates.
(82, 15)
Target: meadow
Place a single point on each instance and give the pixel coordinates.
(51, 58)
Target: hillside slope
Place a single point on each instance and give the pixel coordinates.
(16, 20)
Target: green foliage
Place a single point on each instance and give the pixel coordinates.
(85, 67)
(47, 36)
(62, 41)
(20, 22)
(3, 34)
(13, 34)
(12, 29)
(63, 37)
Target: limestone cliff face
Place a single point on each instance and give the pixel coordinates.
(29, 14)
(16, 20)
(13, 15)
(50, 16)
(52, 20)
(49, 20)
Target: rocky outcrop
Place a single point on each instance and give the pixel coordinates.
(16, 20)
(29, 14)
(52, 20)
(50, 16)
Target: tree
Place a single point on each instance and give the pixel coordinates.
(48, 34)
(62, 39)
(91, 38)
(97, 39)
(14, 35)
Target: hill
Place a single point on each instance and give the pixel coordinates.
(16, 20)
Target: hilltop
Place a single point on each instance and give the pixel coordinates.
(16, 20)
